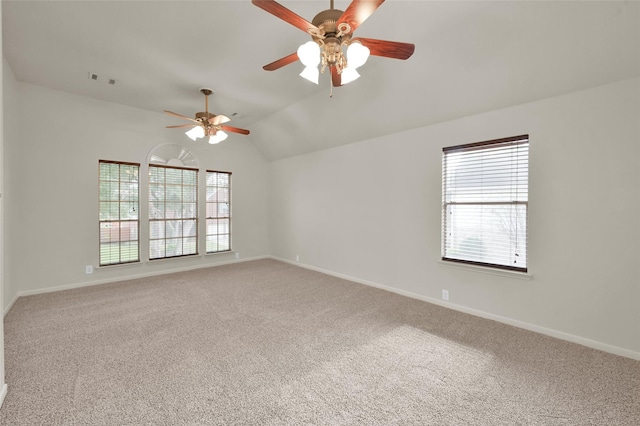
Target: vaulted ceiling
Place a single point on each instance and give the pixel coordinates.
(470, 57)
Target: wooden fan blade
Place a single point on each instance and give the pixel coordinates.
(235, 130)
(175, 114)
(358, 11)
(281, 62)
(279, 11)
(219, 119)
(179, 126)
(336, 79)
(388, 49)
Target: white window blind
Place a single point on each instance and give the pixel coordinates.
(173, 212)
(119, 220)
(218, 211)
(485, 201)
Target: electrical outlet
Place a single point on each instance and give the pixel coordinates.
(88, 269)
(297, 258)
(445, 294)
(237, 255)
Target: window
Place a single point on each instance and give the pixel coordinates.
(218, 211)
(173, 211)
(485, 203)
(119, 221)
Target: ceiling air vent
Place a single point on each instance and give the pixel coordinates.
(95, 77)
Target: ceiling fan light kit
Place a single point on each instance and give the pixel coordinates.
(311, 55)
(333, 45)
(207, 124)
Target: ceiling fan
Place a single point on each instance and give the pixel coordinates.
(206, 123)
(332, 30)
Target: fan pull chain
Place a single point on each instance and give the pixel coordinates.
(330, 89)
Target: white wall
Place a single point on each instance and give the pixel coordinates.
(3, 385)
(10, 127)
(54, 188)
(371, 211)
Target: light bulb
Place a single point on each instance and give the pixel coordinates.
(309, 54)
(311, 73)
(195, 133)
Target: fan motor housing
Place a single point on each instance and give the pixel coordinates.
(327, 16)
(327, 22)
(204, 115)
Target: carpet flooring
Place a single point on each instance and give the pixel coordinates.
(268, 343)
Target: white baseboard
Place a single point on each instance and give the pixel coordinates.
(505, 320)
(3, 393)
(10, 305)
(128, 277)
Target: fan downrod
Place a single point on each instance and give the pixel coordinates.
(206, 115)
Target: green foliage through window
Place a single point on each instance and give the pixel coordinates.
(173, 212)
(119, 212)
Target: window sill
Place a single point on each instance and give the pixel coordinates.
(486, 270)
(182, 257)
(159, 260)
(118, 265)
(228, 252)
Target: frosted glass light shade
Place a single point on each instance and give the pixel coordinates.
(311, 73)
(309, 54)
(195, 133)
(357, 55)
(348, 75)
(218, 137)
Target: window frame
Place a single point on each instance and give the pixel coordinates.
(120, 220)
(521, 199)
(164, 219)
(217, 217)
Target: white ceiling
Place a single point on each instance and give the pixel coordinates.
(470, 57)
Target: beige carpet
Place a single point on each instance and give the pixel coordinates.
(268, 343)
